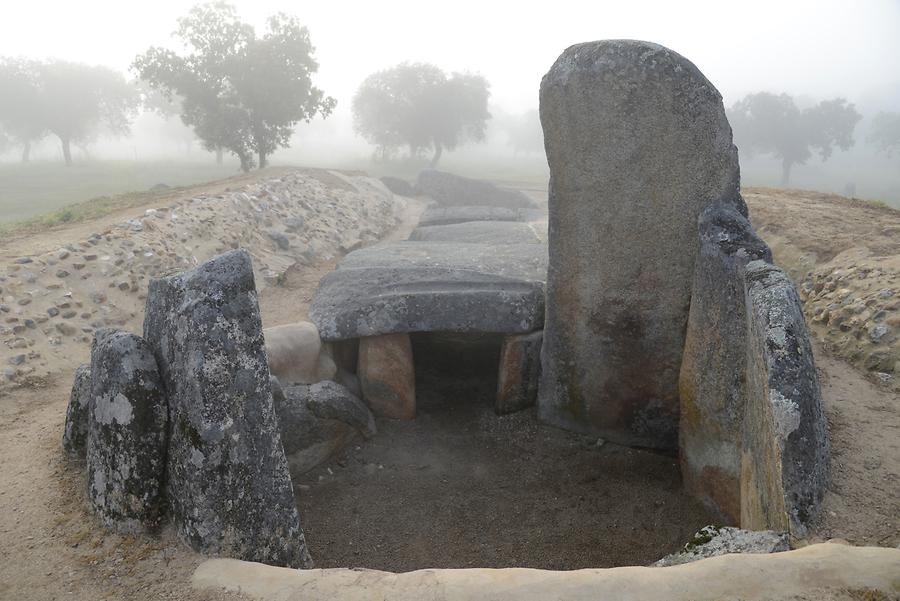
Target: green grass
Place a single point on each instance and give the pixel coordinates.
(51, 193)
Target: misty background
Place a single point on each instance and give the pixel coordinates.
(812, 51)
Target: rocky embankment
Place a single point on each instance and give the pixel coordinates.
(844, 255)
(53, 299)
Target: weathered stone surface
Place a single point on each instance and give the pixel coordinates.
(451, 190)
(227, 476)
(77, 414)
(452, 215)
(712, 383)
(478, 232)
(126, 447)
(295, 355)
(398, 186)
(712, 541)
(520, 372)
(432, 287)
(823, 572)
(318, 420)
(387, 375)
(638, 144)
(784, 459)
(330, 400)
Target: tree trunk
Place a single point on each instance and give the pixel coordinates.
(438, 151)
(26, 152)
(67, 151)
(218, 155)
(262, 160)
(245, 162)
(786, 165)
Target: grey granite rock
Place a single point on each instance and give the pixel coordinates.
(432, 287)
(318, 420)
(450, 190)
(478, 232)
(712, 383)
(228, 483)
(77, 414)
(451, 215)
(638, 144)
(126, 447)
(785, 450)
(712, 541)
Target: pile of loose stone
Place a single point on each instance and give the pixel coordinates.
(52, 303)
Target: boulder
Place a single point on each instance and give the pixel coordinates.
(387, 375)
(712, 541)
(227, 476)
(712, 382)
(76, 428)
(432, 287)
(785, 451)
(519, 373)
(398, 186)
(295, 355)
(318, 420)
(638, 144)
(478, 232)
(126, 446)
(452, 215)
(450, 190)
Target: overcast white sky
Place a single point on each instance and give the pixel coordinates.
(820, 49)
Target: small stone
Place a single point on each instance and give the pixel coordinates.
(24, 301)
(69, 313)
(62, 273)
(878, 332)
(52, 311)
(17, 359)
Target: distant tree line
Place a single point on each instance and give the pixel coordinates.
(71, 101)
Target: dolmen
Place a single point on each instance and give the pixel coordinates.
(667, 324)
(379, 295)
(451, 190)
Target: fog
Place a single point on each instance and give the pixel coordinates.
(810, 50)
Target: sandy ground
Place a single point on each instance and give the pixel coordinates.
(52, 549)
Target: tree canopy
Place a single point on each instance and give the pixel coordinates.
(884, 132)
(75, 102)
(419, 106)
(771, 123)
(239, 91)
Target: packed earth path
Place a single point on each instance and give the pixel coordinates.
(52, 548)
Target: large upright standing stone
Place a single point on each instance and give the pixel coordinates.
(228, 483)
(126, 442)
(638, 144)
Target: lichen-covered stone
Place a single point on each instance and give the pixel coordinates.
(228, 483)
(76, 428)
(638, 144)
(450, 190)
(519, 373)
(712, 382)
(126, 447)
(784, 459)
(387, 375)
(433, 287)
(318, 420)
(478, 232)
(712, 541)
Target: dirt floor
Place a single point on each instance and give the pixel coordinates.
(52, 549)
(460, 487)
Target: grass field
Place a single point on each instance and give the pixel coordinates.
(41, 188)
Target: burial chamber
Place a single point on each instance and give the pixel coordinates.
(653, 317)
